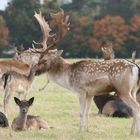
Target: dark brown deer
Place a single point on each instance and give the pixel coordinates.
(27, 122)
(88, 78)
(3, 120)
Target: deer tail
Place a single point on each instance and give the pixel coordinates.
(6, 77)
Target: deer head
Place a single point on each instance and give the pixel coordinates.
(33, 55)
(28, 57)
(108, 52)
(47, 55)
(24, 104)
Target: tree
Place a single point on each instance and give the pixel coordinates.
(21, 23)
(121, 8)
(113, 29)
(4, 32)
(134, 35)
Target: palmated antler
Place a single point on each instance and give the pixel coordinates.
(45, 28)
(62, 22)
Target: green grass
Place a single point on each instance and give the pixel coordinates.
(60, 108)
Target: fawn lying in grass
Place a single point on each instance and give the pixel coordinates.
(27, 122)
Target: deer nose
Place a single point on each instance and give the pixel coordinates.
(24, 110)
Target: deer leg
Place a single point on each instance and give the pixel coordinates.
(85, 102)
(131, 102)
(134, 94)
(88, 105)
(82, 101)
(7, 96)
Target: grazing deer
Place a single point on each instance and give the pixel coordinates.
(3, 120)
(89, 78)
(27, 122)
(108, 104)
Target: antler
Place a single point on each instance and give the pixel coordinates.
(63, 26)
(45, 28)
(133, 56)
(62, 22)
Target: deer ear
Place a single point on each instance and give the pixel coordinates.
(17, 101)
(31, 101)
(59, 52)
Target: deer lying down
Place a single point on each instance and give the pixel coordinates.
(111, 105)
(108, 104)
(3, 120)
(27, 122)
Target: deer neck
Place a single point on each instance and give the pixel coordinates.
(58, 72)
(32, 73)
(22, 118)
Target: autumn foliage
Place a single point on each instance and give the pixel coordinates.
(109, 28)
(135, 28)
(3, 33)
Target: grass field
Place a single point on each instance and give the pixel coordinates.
(60, 108)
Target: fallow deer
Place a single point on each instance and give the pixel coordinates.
(110, 104)
(27, 122)
(3, 120)
(108, 52)
(88, 78)
(19, 82)
(16, 82)
(12, 65)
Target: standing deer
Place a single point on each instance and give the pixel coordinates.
(108, 104)
(19, 82)
(16, 82)
(27, 122)
(89, 78)
(11, 65)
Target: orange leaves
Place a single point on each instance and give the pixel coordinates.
(84, 21)
(135, 28)
(110, 28)
(3, 32)
(135, 23)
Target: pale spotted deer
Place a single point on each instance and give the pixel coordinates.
(110, 104)
(21, 82)
(27, 122)
(16, 82)
(11, 65)
(88, 78)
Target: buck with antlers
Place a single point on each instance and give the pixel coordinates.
(88, 78)
(18, 75)
(14, 80)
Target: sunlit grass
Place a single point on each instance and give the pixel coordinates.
(60, 108)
